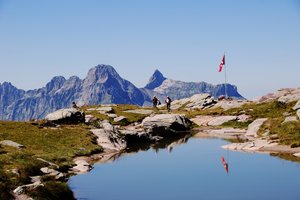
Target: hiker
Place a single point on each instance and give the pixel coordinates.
(155, 101)
(74, 105)
(168, 102)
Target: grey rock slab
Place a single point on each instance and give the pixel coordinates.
(140, 111)
(109, 137)
(217, 121)
(202, 120)
(105, 109)
(254, 127)
(297, 154)
(243, 118)
(120, 119)
(12, 144)
(297, 106)
(112, 115)
(82, 166)
(90, 118)
(290, 119)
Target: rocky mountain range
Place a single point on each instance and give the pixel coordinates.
(102, 85)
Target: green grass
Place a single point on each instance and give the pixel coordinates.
(236, 124)
(59, 146)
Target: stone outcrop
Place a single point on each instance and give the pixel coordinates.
(68, 115)
(109, 137)
(251, 146)
(217, 121)
(254, 127)
(297, 106)
(165, 124)
(285, 95)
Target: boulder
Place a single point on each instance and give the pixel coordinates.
(136, 134)
(90, 119)
(165, 124)
(217, 121)
(109, 137)
(243, 118)
(294, 96)
(12, 144)
(297, 106)
(67, 115)
(52, 172)
(254, 127)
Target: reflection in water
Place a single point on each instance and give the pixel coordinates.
(166, 143)
(192, 171)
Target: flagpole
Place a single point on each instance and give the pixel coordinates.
(225, 79)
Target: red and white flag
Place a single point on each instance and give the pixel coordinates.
(222, 63)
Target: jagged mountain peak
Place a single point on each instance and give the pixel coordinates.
(100, 74)
(155, 80)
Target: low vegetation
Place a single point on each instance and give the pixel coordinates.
(57, 145)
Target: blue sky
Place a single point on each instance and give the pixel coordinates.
(184, 39)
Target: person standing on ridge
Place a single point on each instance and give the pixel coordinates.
(155, 101)
(168, 102)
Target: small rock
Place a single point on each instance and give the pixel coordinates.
(297, 154)
(120, 119)
(112, 115)
(90, 118)
(217, 121)
(243, 118)
(12, 144)
(105, 109)
(297, 106)
(286, 114)
(290, 119)
(82, 166)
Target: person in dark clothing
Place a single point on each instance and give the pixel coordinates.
(168, 102)
(155, 101)
(74, 105)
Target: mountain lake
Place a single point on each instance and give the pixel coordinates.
(191, 169)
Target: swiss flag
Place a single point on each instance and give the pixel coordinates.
(222, 63)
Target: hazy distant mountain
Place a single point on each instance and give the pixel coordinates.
(102, 85)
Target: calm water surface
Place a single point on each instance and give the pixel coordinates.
(192, 170)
